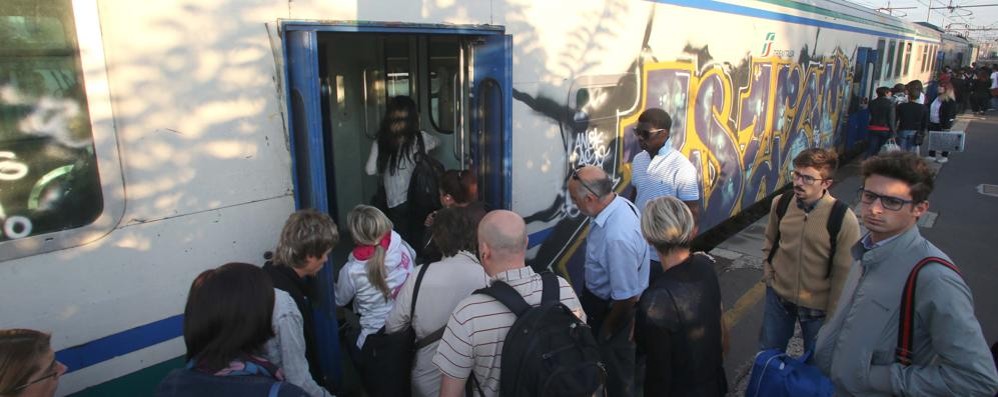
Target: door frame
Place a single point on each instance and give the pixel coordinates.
(326, 323)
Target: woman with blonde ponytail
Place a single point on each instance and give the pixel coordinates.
(375, 270)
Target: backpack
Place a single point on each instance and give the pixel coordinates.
(833, 226)
(548, 351)
(424, 186)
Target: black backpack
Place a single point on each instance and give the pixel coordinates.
(424, 187)
(548, 351)
(833, 226)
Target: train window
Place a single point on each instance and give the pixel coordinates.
(899, 59)
(398, 76)
(907, 57)
(890, 58)
(443, 70)
(880, 59)
(925, 57)
(49, 178)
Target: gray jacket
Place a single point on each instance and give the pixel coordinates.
(855, 347)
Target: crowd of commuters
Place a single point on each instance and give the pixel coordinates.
(652, 305)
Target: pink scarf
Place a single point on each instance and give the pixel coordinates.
(365, 252)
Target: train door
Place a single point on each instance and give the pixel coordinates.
(340, 78)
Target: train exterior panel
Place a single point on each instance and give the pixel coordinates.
(204, 130)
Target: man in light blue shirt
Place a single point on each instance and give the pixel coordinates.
(661, 170)
(616, 270)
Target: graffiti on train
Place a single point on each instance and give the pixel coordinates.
(741, 138)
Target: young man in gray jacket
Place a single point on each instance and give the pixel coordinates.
(856, 347)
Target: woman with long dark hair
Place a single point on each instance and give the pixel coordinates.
(394, 155)
(227, 320)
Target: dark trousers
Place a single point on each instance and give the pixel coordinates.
(874, 141)
(616, 350)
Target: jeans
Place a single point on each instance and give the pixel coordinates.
(906, 138)
(778, 323)
(874, 141)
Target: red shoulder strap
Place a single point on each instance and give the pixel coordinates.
(907, 317)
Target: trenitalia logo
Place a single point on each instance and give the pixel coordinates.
(768, 46)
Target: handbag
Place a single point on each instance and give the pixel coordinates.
(388, 357)
(890, 147)
(776, 374)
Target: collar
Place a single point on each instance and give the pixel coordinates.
(885, 249)
(365, 252)
(809, 208)
(666, 147)
(514, 274)
(603, 215)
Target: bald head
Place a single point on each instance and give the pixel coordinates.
(502, 241)
(595, 179)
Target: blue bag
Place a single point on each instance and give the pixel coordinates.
(775, 374)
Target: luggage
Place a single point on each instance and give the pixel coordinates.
(775, 374)
(946, 141)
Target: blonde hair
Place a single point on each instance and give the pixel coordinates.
(368, 226)
(667, 224)
(306, 233)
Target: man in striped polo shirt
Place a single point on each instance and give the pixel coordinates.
(660, 170)
(472, 343)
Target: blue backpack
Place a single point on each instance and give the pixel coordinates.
(775, 374)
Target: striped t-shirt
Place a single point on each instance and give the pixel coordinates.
(669, 173)
(477, 328)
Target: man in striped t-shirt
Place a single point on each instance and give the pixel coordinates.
(472, 343)
(660, 170)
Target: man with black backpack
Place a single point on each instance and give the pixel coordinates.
(808, 239)
(523, 336)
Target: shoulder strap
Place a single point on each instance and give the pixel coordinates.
(834, 225)
(507, 296)
(551, 291)
(906, 323)
(415, 290)
(781, 210)
(275, 389)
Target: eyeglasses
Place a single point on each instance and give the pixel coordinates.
(53, 373)
(888, 202)
(575, 175)
(806, 179)
(645, 134)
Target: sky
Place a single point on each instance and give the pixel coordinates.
(959, 18)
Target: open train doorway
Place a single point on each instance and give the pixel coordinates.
(340, 78)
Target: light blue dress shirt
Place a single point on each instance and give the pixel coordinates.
(616, 253)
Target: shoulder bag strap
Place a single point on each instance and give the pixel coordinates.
(551, 291)
(834, 226)
(906, 325)
(275, 389)
(507, 296)
(781, 210)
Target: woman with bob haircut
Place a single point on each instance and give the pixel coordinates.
(306, 240)
(28, 367)
(445, 283)
(375, 269)
(227, 320)
(683, 347)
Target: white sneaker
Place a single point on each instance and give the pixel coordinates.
(929, 158)
(942, 160)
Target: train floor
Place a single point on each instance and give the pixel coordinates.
(962, 221)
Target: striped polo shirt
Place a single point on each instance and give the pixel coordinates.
(477, 328)
(668, 174)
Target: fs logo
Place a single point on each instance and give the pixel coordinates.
(768, 46)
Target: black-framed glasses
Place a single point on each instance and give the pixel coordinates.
(645, 134)
(888, 202)
(575, 175)
(806, 179)
(53, 372)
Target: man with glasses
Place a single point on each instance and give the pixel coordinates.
(857, 347)
(807, 252)
(660, 170)
(616, 272)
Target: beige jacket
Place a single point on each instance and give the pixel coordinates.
(799, 272)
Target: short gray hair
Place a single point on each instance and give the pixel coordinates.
(600, 185)
(667, 224)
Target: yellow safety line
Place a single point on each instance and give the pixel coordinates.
(744, 303)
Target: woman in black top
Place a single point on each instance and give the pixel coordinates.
(980, 92)
(942, 112)
(913, 120)
(678, 321)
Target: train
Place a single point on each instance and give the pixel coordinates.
(144, 142)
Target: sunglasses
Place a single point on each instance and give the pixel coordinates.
(645, 134)
(575, 176)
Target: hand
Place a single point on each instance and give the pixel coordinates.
(429, 219)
